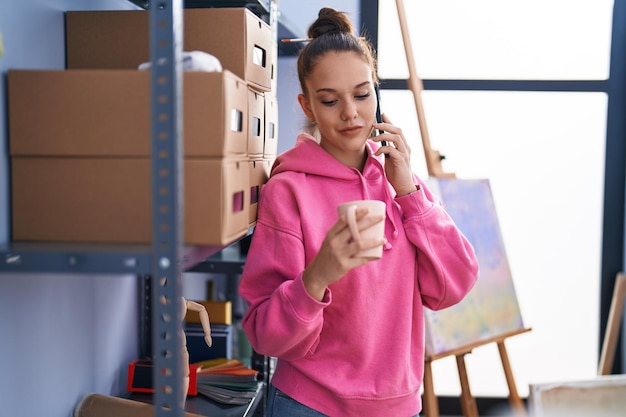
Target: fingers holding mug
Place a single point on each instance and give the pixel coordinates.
(367, 231)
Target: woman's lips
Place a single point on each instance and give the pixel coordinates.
(351, 131)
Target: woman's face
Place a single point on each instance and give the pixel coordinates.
(342, 101)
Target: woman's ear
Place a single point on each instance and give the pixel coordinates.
(306, 107)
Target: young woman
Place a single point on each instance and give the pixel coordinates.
(348, 332)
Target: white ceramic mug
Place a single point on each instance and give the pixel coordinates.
(376, 231)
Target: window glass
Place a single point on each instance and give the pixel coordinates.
(495, 39)
(543, 153)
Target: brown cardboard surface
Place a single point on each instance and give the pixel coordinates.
(259, 173)
(256, 124)
(220, 312)
(108, 200)
(120, 39)
(271, 126)
(107, 113)
(101, 405)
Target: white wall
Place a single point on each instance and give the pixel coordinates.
(63, 335)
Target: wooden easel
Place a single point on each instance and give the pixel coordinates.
(433, 157)
(612, 325)
(468, 402)
(435, 169)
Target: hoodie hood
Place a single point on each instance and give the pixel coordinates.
(309, 158)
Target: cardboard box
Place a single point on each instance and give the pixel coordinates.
(220, 312)
(108, 113)
(259, 173)
(121, 39)
(270, 147)
(108, 200)
(256, 124)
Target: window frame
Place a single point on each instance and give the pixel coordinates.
(613, 234)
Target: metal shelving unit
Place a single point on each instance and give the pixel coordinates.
(87, 258)
(166, 29)
(167, 257)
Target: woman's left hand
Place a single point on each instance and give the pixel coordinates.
(398, 164)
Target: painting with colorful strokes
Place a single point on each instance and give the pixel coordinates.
(491, 309)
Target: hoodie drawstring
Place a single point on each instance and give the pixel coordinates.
(389, 211)
(392, 218)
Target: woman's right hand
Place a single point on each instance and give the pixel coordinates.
(337, 255)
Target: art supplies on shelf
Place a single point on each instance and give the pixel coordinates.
(227, 381)
(196, 346)
(140, 377)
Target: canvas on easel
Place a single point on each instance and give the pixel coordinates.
(491, 309)
(490, 312)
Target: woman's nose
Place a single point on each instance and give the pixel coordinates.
(349, 111)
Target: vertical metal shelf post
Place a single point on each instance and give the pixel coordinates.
(166, 20)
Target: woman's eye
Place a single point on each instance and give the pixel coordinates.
(363, 96)
(329, 102)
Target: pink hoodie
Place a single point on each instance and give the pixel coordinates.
(360, 351)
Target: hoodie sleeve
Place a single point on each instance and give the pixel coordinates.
(282, 319)
(446, 262)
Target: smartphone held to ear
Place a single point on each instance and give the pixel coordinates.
(379, 116)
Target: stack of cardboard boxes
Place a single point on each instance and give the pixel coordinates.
(80, 138)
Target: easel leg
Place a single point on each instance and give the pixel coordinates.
(516, 402)
(468, 403)
(429, 400)
(611, 334)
